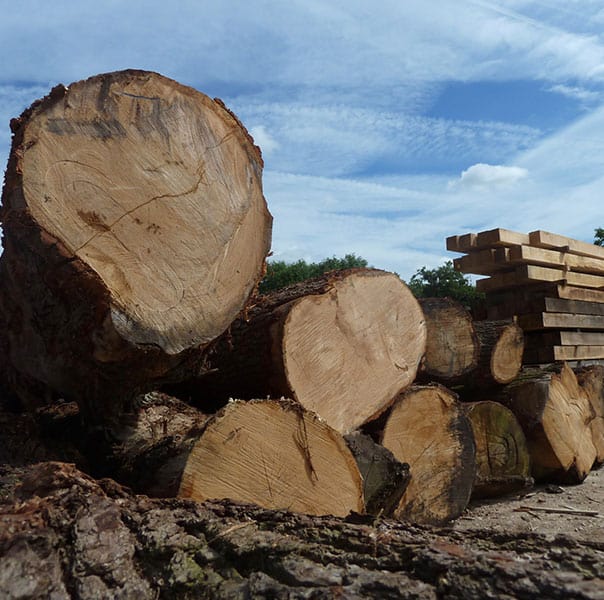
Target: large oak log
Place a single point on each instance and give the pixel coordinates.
(502, 458)
(277, 455)
(63, 535)
(135, 230)
(342, 345)
(452, 347)
(555, 415)
(591, 380)
(427, 429)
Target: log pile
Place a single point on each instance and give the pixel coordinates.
(554, 285)
(135, 235)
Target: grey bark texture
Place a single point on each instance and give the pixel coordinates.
(65, 535)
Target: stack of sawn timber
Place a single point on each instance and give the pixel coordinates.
(553, 284)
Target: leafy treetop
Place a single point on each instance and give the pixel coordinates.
(280, 274)
(444, 281)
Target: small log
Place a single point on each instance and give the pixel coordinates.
(342, 345)
(502, 458)
(274, 454)
(384, 478)
(500, 359)
(110, 280)
(555, 415)
(591, 380)
(452, 346)
(427, 429)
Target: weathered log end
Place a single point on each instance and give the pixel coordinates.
(384, 477)
(428, 430)
(452, 347)
(502, 458)
(555, 415)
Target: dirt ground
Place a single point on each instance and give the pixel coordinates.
(530, 511)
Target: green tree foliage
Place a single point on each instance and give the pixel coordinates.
(280, 274)
(599, 237)
(445, 281)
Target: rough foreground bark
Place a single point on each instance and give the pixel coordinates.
(64, 535)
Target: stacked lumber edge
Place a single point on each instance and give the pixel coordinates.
(326, 397)
(553, 285)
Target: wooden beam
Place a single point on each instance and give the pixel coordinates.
(560, 321)
(554, 258)
(526, 305)
(525, 274)
(562, 353)
(544, 239)
(493, 238)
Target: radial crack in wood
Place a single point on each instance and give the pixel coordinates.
(134, 224)
(342, 345)
(274, 454)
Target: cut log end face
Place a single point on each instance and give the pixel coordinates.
(566, 425)
(348, 352)
(506, 358)
(277, 456)
(502, 458)
(130, 171)
(452, 347)
(555, 415)
(592, 382)
(428, 430)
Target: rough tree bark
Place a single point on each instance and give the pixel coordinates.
(342, 345)
(427, 429)
(111, 281)
(555, 415)
(63, 535)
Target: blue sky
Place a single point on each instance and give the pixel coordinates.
(385, 126)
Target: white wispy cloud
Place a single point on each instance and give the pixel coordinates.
(486, 176)
(336, 94)
(577, 92)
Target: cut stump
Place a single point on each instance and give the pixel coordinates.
(274, 454)
(135, 230)
(427, 429)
